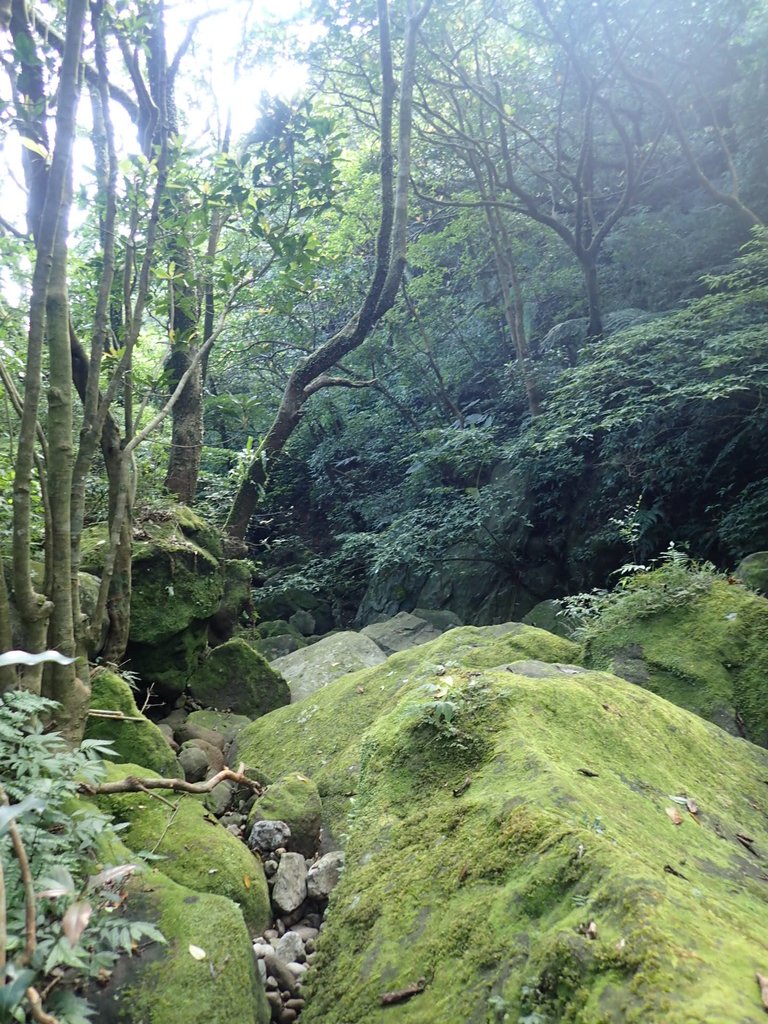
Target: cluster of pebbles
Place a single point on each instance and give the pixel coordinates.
(299, 890)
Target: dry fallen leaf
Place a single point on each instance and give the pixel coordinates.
(246, 881)
(360, 689)
(196, 952)
(674, 816)
(76, 920)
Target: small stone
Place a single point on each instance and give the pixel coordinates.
(281, 849)
(311, 957)
(305, 933)
(287, 1016)
(290, 947)
(194, 762)
(284, 977)
(324, 875)
(270, 867)
(263, 949)
(280, 929)
(271, 983)
(267, 836)
(234, 830)
(296, 969)
(271, 933)
(312, 920)
(262, 969)
(295, 1004)
(291, 887)
(309, 946)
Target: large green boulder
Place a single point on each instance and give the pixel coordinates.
(169, 663)
(134, 738)
(753, 570)
(197, 851)
(176, 573)
(532, 847)
(234, 677)
(235, 601)
(320, 736)
(295, 800)
(165, 983)
(705, 648)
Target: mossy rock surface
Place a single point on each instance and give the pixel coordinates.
(236, 598)
(482, 848)
(176, 573)
(171, 662)
(320, 736)
(235, 677)
(708, 654)
(198, 851)
(753, 570)
(166, 984)
(226, 723)
(295, 800)
(140, 743)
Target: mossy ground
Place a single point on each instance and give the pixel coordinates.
(321, 735)
(141, 742)
(196, 850)
(487, 894)
(165, 984)
(709, 655)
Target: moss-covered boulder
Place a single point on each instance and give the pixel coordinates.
(320, 736)
(705, 649)
(753, 570)
(197, 850)
(234, 677)
(295, 800)
(176, 573)
(236, 603)
(567, 847)
(166, 984)
(170, 663)
(223, 722)
(134, 738)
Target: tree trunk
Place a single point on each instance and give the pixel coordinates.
(187, 426)
(309, 375)
(592, 286)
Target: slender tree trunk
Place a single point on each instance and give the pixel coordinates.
(310, 375)
(592, 286)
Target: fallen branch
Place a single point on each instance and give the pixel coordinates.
(117, 715)
(132, 784)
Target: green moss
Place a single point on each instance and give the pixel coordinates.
(488, 894)
(295, 800)
(197, 850)
(320, 736)
(166, 984)
(171, 662)
(223, 722)
(236, 599)
(176, 574)
(709, 655)
(139, 742)
(237, 678)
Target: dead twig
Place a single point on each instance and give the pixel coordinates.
(117, 715)
(132, 784)
(36, 1008)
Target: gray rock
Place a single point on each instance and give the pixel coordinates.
(290, 889)
(267, 836)
(194, 761)
(546, 615)
(262, 949)
(401, 632)
(753, 570)
(440, 618)
(304, 621)
(542, 669)
(312, 668)
(220, 797)
(324, 875)
(279, 971)
(189, 731)
(290, 948)
(213, 755)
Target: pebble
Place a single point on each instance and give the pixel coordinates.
(271, 983)
(294, 1004)
(305, 933)
(296, 968)
(262, 969)
(262, 948)
(290, 948)
(287, 1016)
(270, 867)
